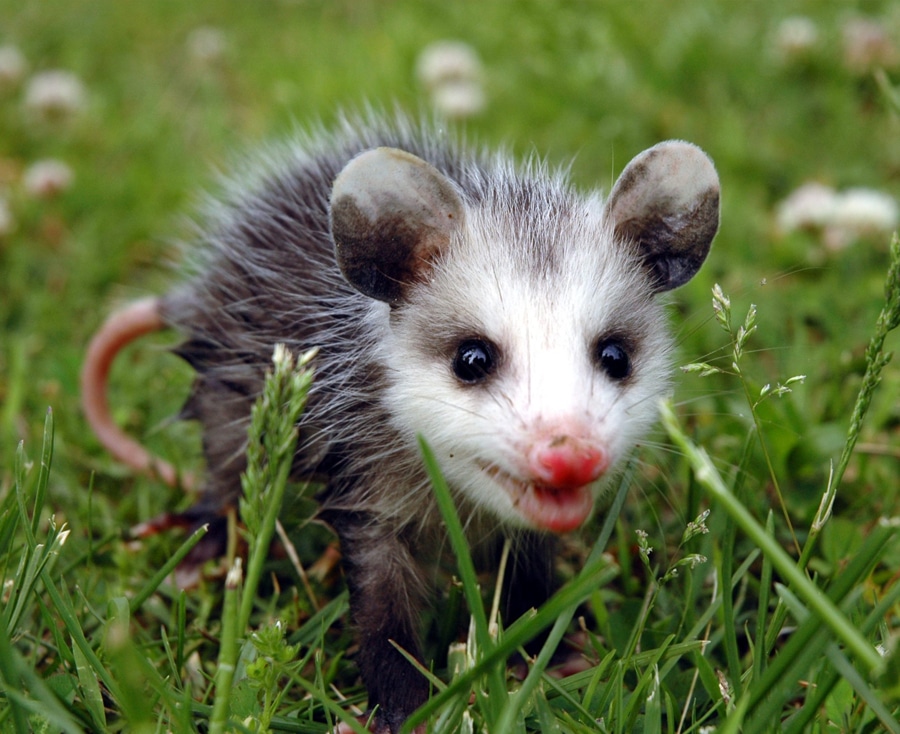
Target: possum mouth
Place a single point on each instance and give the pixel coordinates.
(558, 509)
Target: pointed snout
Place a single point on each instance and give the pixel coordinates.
(566, 462)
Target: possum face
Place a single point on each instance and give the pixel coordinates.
(524, 340)
(531, 363)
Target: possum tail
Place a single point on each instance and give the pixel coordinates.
(123, 327)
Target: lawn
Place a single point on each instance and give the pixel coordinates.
(784, 616)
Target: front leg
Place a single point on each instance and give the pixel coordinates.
(387, 593)
(530, 582)
(530, 578)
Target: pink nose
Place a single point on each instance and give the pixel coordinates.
(564, 462)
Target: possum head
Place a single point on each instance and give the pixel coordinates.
(521, 336)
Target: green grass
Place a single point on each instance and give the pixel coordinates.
(779, 629)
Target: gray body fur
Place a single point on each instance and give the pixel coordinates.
(266, 273)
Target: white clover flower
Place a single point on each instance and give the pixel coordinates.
(47, 178)
(12, 66)
(809, 207)
(207, 45)
(840, 217)
(459, 99)
(447, 61)
(796, 36)
(867, 45)
(452, 74)
(866, 211)
(55, 93)
(7, 222)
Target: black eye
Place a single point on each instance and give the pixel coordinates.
(613, 358)
(474, 360)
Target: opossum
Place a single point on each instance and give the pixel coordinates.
(453, 294)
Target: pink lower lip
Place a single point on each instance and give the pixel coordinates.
(556, 509)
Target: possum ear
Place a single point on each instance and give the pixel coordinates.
(667, 203)
(391, 215)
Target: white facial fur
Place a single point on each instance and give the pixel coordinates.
(545, 322)
(522, 339)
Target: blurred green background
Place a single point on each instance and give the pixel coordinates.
(158, 97)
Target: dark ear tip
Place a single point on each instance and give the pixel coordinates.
(671, 272)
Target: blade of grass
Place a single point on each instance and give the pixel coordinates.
(270, 452)
(228, 650)
(40, 490)
(693, 636)
(23, 583)
(546, 719)
(598, 674)
(876, 358)
(762, 608)
(775, 687)
(322, 619)
(12, 681)
(555, 685)
(558, 610)
(21, 473)
(850, 674)
(333, 708)
(35, 563)
(16, 677)
(818, 696)
(844, 668)
(653, 704)
(456, 535)
(571, 595)
(9, 520)
(181, 625)
(729, 535)
(824, 608)
(460, 546)
(647, 683)
(90, 688)
(272, 438)
(66, 613)
(153, 583)
(559, 628)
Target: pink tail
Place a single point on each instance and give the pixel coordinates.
(123, 327)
